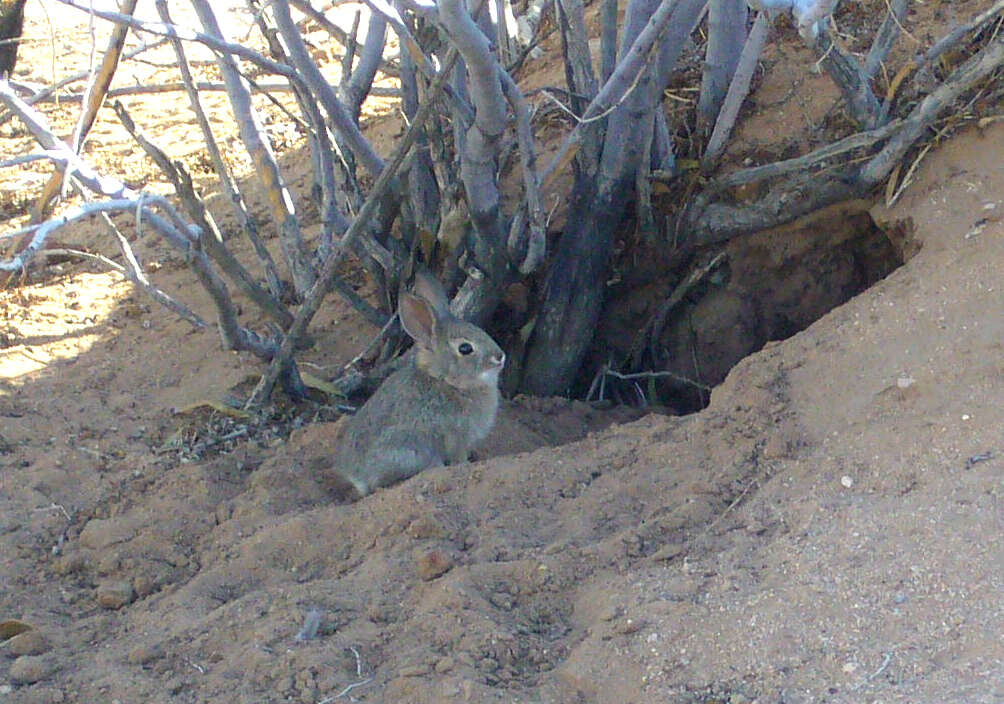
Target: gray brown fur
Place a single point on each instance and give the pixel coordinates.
(431, 412)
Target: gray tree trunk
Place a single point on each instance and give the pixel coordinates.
(574, 288)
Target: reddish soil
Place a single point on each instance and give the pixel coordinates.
(828, 529)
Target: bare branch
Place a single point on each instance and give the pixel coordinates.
(283, 356)
(58, 151)
(256, 142)
(177, 86)
(953, 37)
(93, 100)
(625, 77)
(580, 77)
(850, 77)
(726, 39)
(480, 146)
(360, 82)
(536, 245)
(322, 90)
(963, 78)
(343, 37)
(210, 238)
(227, 182)
(608, 39)
(216, 43)
(47, 93)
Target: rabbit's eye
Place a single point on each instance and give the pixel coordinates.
(465, 348)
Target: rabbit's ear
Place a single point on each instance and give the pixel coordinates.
(418, 318)
(429, 288)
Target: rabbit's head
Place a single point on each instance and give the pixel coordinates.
(461, 354)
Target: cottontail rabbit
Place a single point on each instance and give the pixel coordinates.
(431, 412)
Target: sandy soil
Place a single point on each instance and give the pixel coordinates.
(828, 529)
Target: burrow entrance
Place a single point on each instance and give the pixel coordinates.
(768, 286)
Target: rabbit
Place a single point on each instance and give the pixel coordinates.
(434, 410)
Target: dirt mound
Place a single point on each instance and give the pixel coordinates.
(829, 528)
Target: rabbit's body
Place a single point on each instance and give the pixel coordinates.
(431, 412)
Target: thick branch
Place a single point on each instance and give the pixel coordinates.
(886, 36)
(480, 148)
(962, 79)
(726, 38)
(361, 81)
(739, 88)
(851, 78)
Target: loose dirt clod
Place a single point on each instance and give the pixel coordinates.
(115, 595)
(29, 643)
(29, 669)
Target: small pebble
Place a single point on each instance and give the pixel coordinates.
(847, 481)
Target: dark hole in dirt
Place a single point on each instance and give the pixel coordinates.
(768, 286)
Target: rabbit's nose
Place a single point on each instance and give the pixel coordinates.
(498, 359)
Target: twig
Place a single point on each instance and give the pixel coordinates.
(215, 43)
(656, 375)
(728, 509)
(55, 507)
(359, 662)
(201, 86)
(26, 159)
(201, 447)
(349, 688)
(908, 178)
(51, 91)
(345, 691)
(882, 667)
